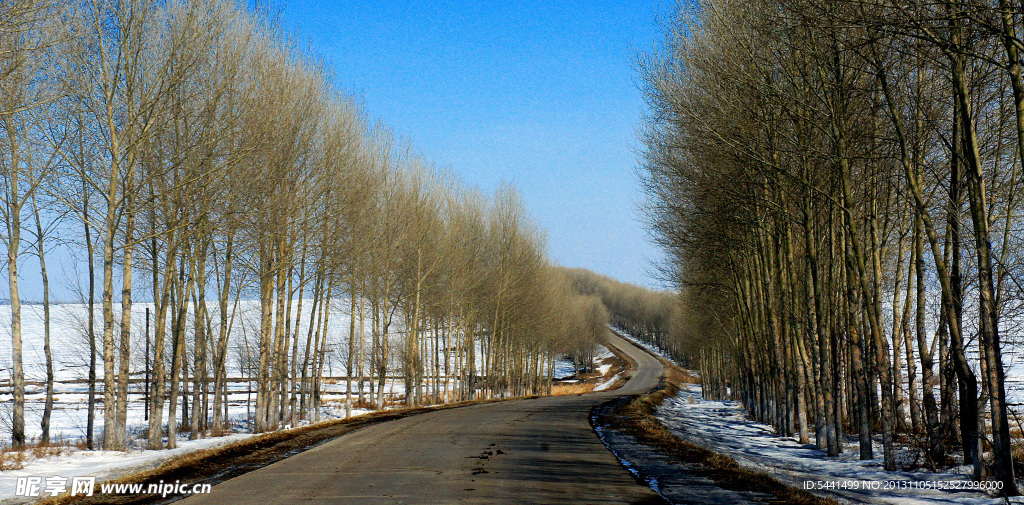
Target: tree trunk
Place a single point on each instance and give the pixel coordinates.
(41, 251)
(989, 312)
(124, 353)
(17, 367)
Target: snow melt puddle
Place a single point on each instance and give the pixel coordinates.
(724, 427)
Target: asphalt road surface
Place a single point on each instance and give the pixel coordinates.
(522, 451)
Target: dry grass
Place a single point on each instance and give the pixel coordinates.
(12, 459)
(365, 405)
(685, 377)
(15, 459)
(571, 388)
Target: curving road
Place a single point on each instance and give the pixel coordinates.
(522, 451)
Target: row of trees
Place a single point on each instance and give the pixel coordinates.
(837, 185)
(651, 316)
(190, 156)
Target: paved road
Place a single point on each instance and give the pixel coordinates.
(523, 451)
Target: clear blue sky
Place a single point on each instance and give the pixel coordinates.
(539, 93)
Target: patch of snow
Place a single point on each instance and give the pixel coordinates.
(104, 465)
(564, 368)
(606, 384)
(723, 427)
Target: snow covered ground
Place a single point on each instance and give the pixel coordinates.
(71, 358)
(68, 422)
(725, 428)
(104, 465)
(604, 368)
(564, 368)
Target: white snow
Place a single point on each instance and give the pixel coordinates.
(606, 384)
(603, 370)
(724, 427)
(104, 465)
(602, 353)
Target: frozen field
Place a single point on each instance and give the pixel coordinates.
(70, 347)
(71, 355)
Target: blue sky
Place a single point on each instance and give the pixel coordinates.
(539, 93)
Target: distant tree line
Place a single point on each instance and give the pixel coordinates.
(650, 316)
(837, 185)
(189, 155)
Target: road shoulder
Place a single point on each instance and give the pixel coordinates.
(681, 472)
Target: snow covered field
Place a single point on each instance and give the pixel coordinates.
(71, 355)
(70, 347)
